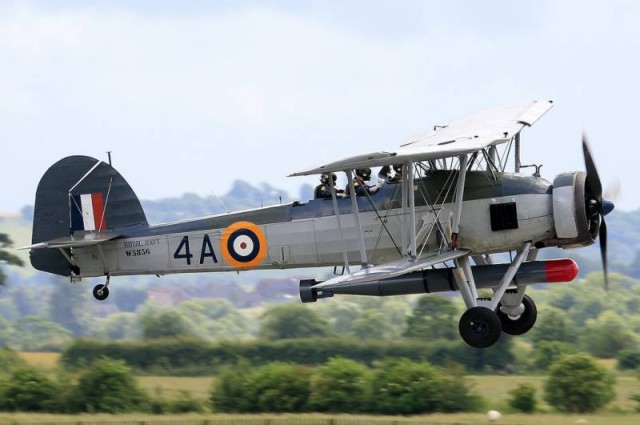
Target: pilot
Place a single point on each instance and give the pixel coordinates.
(363, 175)
(397, 177)
(323, 190)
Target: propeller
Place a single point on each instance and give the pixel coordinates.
(597, 207)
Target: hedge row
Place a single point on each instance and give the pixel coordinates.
(192, 356)
(343, 386)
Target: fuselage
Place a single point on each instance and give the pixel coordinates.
(500, 210)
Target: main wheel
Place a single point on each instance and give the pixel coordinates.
(100, 292)
(523, 323)
(480, 327)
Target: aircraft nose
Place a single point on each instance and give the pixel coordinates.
(607, 207)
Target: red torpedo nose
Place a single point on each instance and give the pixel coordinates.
(563, 270)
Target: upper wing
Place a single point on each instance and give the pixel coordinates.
(471, 134)
(83, 240)
(392, 269)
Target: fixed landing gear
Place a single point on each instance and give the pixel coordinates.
(480, 327)
(101, 291)
(522, 323)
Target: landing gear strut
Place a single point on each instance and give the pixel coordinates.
(101, 291)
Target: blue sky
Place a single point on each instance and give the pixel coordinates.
(192, 95)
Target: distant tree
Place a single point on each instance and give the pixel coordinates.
(25, 300)
(70, 306)
(34, 333)
(167, 324)
(5, 332)
(589, 306)
(340, 315)
(215, 318)
(607, 335)
(26, 213)
(372, 324)
(577, 384)
(292, 321)
(523, 398)
(554, 325)
(128, 299)
(29, 390)
(433, 317)
(107, 386)
(117, 326)
(633, 269)
(7, 257)
(341, 386)
(628, 359)
(546, 353)
(564, 298)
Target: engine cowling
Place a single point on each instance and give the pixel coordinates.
(575, 216)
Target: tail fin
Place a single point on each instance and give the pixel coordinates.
(80, 194)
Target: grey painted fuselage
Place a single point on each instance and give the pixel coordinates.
(306, 234)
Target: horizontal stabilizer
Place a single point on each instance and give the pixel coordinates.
(392, 269)
(74, 241)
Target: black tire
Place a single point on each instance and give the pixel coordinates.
(523, 323)
(100, 292)
(480, 327)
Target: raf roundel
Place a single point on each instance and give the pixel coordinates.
(243, 245)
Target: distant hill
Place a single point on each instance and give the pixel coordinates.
(241, 196)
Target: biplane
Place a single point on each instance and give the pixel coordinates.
(434, 228)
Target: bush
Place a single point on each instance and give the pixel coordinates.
(523, 398)
(577, 384)
(229, 390)
(276, 387)
(107, 386)
(9, 360)
(340, 386)
(404, 387)
(456, 394)
(628, 359)
(29, 390)
(280, 387)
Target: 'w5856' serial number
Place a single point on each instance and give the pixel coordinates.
(137, 252)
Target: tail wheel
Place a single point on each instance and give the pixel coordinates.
(520, 324)
(100, 292)
(480, 327)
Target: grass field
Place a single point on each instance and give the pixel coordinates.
(319, 419)
(170, 386)
(42, 360)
